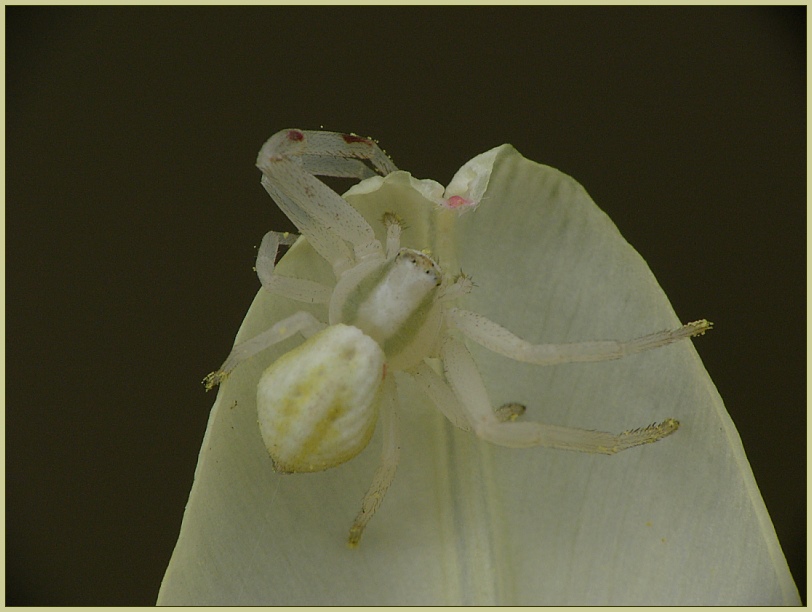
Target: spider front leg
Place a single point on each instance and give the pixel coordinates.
(290, 161)
(330, 153)
(466, 382)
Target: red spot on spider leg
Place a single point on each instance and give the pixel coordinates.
(352, 138)
(295, 135)
(384, 372)
(457, 202)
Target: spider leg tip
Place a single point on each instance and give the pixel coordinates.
(354, 538)
(213, 379)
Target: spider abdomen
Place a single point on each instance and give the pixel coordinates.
(317, 405)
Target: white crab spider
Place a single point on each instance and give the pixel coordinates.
(391, 308)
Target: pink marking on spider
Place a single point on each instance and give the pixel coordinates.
(352, 138)
(458, 202)
(295, 135)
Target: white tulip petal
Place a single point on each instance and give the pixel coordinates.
(676, 522)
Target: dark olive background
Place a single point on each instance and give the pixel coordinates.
(133, 210)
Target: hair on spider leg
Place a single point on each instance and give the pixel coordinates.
(465, 278)
(669, 425)
(484, 198)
